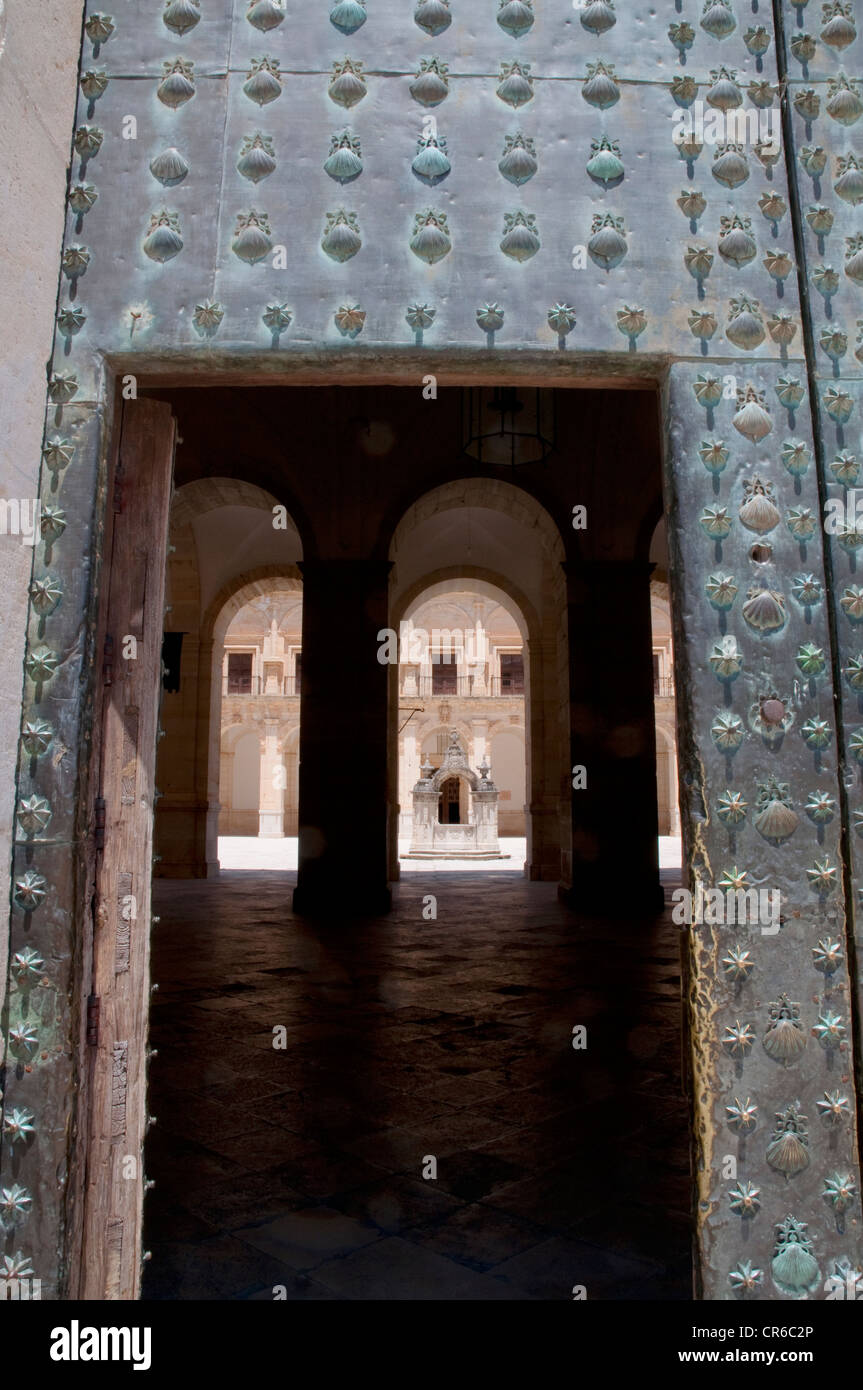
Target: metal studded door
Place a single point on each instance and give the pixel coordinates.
(115, 1064)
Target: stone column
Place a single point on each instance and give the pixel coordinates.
(290, 800)
(409, 773)
(343, 788)
(478, 645)
(410, 757)
(272, 800)
(615, 854)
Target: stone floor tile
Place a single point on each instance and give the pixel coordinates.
(479, 1236)
(395, 1204)
(553, 1268)
(309, 1237)
(245, 1200)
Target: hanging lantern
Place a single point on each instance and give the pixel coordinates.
(505, 426)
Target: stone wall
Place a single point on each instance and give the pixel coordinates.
(39, 44)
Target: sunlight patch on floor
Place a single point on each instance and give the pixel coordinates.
(248, 852)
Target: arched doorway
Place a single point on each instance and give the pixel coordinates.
(449, 802)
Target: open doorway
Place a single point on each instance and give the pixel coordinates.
(275, 1162)
(462, 671)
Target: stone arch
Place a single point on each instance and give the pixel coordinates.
(491, 494)
(500, 540)
(500, 726)
(467, 784)
(265, 579)
(231, 733)
(486, 582)
(189, 503)
(203, 495)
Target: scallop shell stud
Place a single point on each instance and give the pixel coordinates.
(785, 1037)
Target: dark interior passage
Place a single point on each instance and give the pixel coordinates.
(406, 1039)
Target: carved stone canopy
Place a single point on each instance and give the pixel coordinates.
(455, 764)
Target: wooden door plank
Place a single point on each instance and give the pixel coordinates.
(117, 1065)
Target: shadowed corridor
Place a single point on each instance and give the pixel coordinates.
(406, 1038)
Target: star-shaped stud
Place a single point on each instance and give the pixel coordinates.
(738, 1038)
(742, 1114)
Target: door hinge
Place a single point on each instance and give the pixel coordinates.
(93, 1005)
(99, 823)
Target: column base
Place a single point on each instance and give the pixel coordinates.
(542, 873)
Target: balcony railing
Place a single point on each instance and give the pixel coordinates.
(289, 685)
(461, 687)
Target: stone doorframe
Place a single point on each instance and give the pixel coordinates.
(772, 1015)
